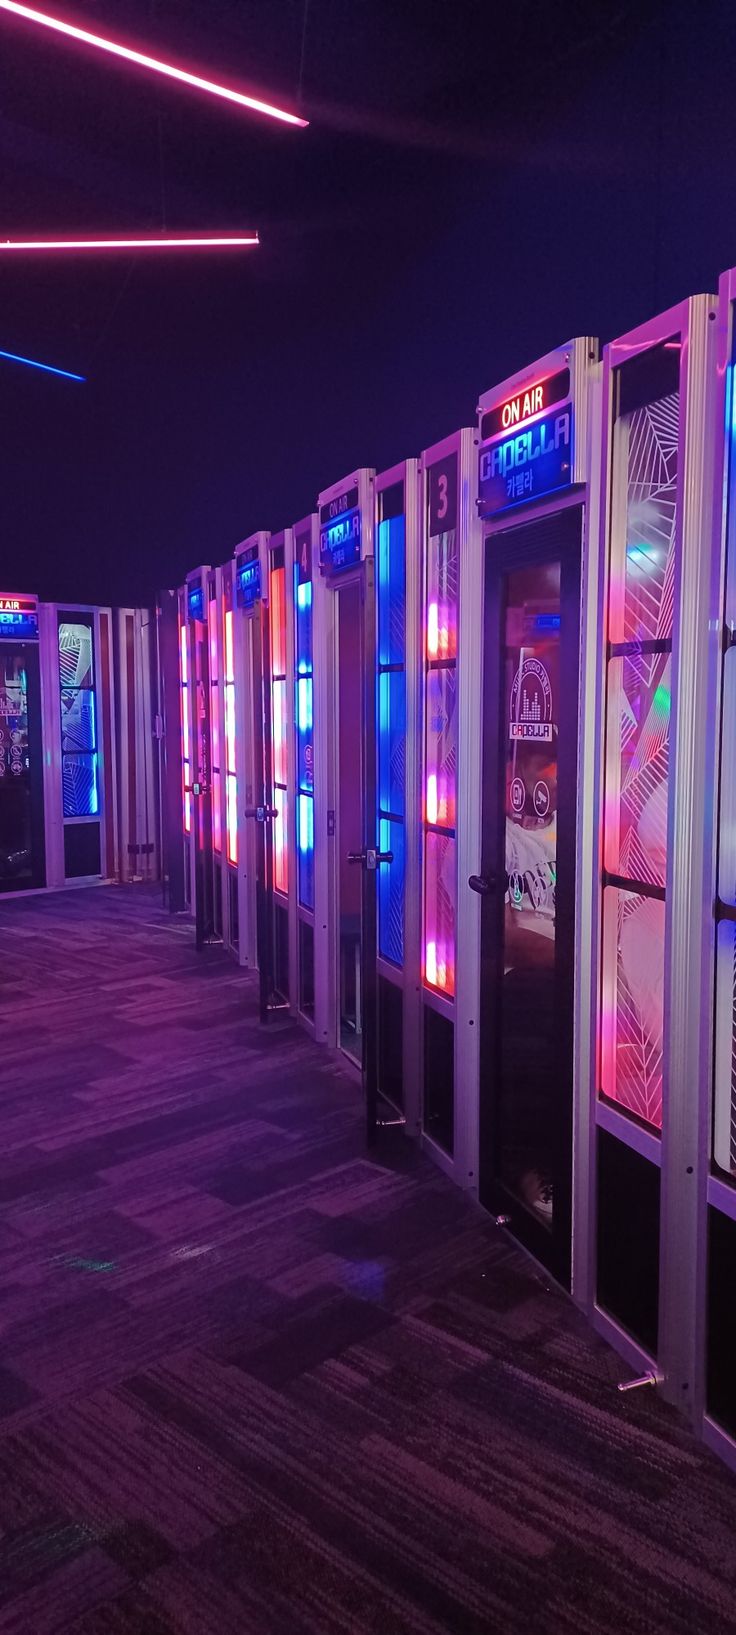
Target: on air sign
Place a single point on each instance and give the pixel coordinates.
(18, 618)
(529, 401)
(533, 429)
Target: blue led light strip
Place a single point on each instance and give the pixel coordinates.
(48, 368)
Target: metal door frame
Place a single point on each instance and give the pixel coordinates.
(715, 1192)
(462, 1164)
(104, 691)
(360, 578)
(407, 472)
(504, 553)
(248, 686)
(362, 574)
(170, 780)
(260, 812)
(318, 917)
(283, 901)
(688, 954)
(30, 651)
(201, 786)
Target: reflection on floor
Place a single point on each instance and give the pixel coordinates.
(253, 1383)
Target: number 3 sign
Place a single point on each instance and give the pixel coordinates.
(442, 481)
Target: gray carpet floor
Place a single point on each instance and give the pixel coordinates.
(254, 1382)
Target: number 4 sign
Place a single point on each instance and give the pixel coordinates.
(303, 554)
(442, 486)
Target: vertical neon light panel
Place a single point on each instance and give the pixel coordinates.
(231, 780)
(724, 1110)
(391, 733)
(186, 769)
(440, 761)
(277, 627)
(78, 719)
(304, 732)
(214, 668)
(640, 633)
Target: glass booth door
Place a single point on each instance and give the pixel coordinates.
(22, 861)
(201, 770)
(358, 858)
(260, 809)
(527, 881)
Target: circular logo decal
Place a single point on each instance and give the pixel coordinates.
(541, 798)
(531, 703)
(517, 794)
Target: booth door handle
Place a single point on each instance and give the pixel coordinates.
(484, 884)
(262, 814)
(370, 858)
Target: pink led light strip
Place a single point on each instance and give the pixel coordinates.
(186, 769)
(143, 61)
(193, 243)
(231, 782)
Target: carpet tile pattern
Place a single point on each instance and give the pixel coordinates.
(254, 1382)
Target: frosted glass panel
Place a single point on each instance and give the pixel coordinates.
(439, 913)
(78, 719)
(441, 752)
(391, 741)
(305, 849)
(439, 793)
(216, 811)
(639, 712)
(75, 654)
(278, 729)
(79, 776)
(391, 586)
(442, 588)
(279, 833)
(391, 892)
(724, 1123)
(633, 1003)
(79, 785)
(651, 506)
(277, 592)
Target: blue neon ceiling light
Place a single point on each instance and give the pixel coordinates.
(48, 368)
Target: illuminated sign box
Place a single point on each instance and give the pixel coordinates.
(248, 578)
(195, 602)
(340, 532)
(18, 618)
(526, 464)
(529, 401)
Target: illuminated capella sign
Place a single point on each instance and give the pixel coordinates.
(340, 532)
(195, 602)
(248, 578)
(527, 464)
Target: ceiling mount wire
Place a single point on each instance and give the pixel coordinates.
(303, 55)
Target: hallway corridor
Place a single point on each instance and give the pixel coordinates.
(254, 1383)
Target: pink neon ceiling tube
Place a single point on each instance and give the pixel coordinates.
(142, 60)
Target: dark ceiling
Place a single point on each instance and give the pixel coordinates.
(478, 182)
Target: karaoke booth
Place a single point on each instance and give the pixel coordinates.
(78, 768)
(457, 777)
(714, 1212)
